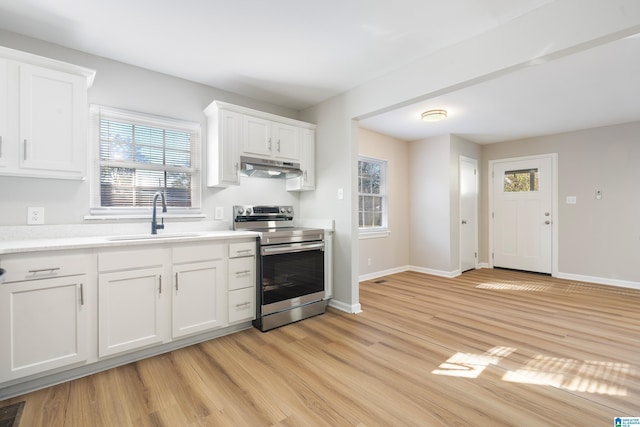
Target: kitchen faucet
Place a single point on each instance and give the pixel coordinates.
(154, 224)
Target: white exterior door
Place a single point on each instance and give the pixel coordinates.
(468, 213)
(522, 215)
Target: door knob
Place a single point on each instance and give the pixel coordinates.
(464, 221)
(547, 222)
(546, 214)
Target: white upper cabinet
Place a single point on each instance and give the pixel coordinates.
(266, 138)
(306, 181)
(224, 129)
(4, 111)
(43, 116)
(235, 131)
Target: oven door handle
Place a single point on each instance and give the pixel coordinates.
(287, 249)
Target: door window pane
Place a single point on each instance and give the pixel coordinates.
(523, 180)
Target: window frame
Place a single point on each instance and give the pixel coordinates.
(97, 211)
(383, 229)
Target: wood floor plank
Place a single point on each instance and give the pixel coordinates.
(487, 348)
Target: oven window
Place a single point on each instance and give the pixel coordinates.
(290, 275)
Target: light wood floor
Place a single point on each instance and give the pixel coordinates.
(488, 348)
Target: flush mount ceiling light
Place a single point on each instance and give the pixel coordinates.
(434, 115)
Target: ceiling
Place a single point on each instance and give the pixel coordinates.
(297, 54)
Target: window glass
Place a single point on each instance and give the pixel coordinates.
(524, 180)
(372, 198)
(139, 155)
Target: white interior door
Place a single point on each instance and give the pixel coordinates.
(522, 214)
(468, 213)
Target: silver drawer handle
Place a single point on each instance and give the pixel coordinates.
(40, 270)
(244, 251)
(243, 272)
(244, 304)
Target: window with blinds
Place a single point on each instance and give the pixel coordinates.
(139, 155)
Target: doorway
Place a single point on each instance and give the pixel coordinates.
(468, 221)
(523, 213)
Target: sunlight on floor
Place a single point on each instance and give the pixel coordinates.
(471, 365)
(514, 286)
(587, 376)
(569, 374)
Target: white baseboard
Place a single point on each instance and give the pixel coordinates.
(599, 280)
(441, 273)
(347, 308)
(382, 273)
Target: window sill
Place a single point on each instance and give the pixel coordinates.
(373, 234)
(142, 216)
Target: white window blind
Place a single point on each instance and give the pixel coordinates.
(138, 155)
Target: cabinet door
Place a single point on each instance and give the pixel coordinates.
(198, 297)
(285, 142)
(256, 137)
(53, 135)
(306, 181)
(4, 111)
(43, 325)
(130, 310)
(230, 131)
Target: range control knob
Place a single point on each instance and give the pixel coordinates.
(282, 210)
(248, 211)
(240, 210)
(289, 209)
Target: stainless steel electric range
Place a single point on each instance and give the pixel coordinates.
(290, 279)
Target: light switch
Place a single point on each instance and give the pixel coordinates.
(219, 213)
(571, 200)
(340, 193)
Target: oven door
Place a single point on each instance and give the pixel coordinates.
(292, 275)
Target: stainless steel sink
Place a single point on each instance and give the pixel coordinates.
(131, 237)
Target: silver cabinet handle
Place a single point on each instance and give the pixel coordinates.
(40, 270)
(269, 144)
(160, 284)
(278, 146)
(243, 304)
(25, 149)
(81, 294)
(243, 272)
(236, 167)
(176, 282)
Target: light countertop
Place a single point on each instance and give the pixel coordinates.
(84, 242)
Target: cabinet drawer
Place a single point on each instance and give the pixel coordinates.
(124, 259)
(242, 249)
(39, 266)
(242, 303)
(194, 252)
(242, 273)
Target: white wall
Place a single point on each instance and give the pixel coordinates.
(598, 239)
(125, 86)
(389, 252)
(558, 28)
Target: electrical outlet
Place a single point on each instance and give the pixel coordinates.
(369, 262)
(35, 215)
(340, 193)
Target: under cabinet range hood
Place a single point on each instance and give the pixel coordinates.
(265, 168)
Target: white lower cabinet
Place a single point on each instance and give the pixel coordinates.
(60, 310)
(44, 318)
(242, 281)
(198, 303)
(133, 291)
(130, 310)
